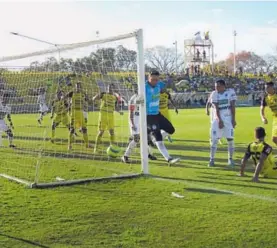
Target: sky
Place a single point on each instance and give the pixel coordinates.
(162, 22)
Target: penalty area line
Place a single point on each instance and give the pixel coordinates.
(245, 195)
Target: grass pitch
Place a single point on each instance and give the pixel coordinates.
(187, 205)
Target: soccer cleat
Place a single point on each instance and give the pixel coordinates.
(172, 161)
(125, 160)
(231, 162)
(52, 141)
(39, 121)
(69, 147)
(211, 163)
(12, 146)
(169, 138)
(152, 157)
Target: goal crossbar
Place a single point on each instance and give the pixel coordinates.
(67, 47)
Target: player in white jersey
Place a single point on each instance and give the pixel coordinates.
(43, 109)
(134, 128)
(223, 119)
(5, 111)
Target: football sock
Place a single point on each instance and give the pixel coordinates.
(231, 148)
(130, 147)
(112, 139)
(161, 147)
(164, 134)
(85, 137)
(213, 148)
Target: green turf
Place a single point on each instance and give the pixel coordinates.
(218, 209)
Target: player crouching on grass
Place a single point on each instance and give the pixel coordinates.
(134, 128)
(262, 155)
(5, 111)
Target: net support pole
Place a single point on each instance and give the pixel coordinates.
(141, 90)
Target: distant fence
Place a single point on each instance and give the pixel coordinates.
(194, 100)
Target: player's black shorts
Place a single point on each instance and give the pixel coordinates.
(156, 123)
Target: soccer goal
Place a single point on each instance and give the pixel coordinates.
(69, 112)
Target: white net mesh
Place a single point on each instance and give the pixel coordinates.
(64, 118)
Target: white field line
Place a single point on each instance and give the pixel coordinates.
(245, 195)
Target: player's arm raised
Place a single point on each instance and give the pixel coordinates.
(173, 103)
(262, 111)
(117, 106)
(97, 97)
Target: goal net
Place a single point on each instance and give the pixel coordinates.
(64, 115)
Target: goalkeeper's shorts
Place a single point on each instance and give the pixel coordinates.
(165, 113)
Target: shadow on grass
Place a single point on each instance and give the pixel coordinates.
(205, 148)
(208, 191)
(24, 240)
(211, 182)
(192, 141)
(236, 178)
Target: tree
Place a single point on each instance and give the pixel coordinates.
(164, 59)
(105, 59)
(125, 59)
(249, 61)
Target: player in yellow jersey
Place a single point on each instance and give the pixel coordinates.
(108, 104)
(262, 155)
(165, 98)
(59, 113)
(270, 100)
(77, 115)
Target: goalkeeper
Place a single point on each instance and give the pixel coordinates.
(108, 104)
(59, 113)
(5, 111)
(77, 115)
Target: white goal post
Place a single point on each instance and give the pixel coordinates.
(11, 170)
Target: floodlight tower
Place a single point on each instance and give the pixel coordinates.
(199, 51)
